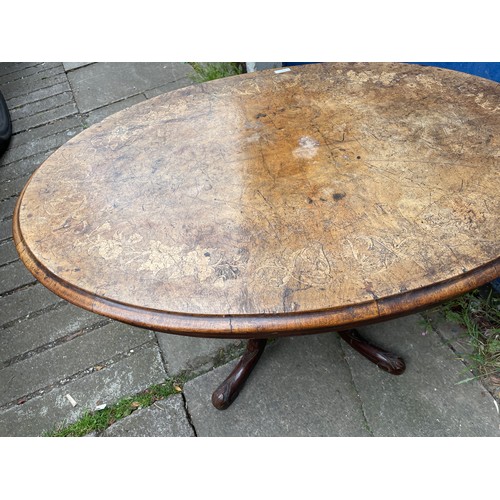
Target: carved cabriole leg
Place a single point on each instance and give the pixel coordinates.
(386, 360)
(227, 392)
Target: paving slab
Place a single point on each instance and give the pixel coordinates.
(69, 66)
(9, 68)
(8, 252)
(177, 84)
(14, 276)
(53, 410)
(65, 110)
(302, 386)
(22, 303)
(29, 335)
(99, 114)
(44, 131)
(5, 229)
(20, 168)
(428, 398)
(40, 146)
(8, 186)
(7, 208)
(38, 95)
(453, 334)
(165, 418)
(63, 361)
(101, 84)
(42, 79)
(196, 355)
(31, 111)
(30, 72)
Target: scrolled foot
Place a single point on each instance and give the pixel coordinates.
(227, 392)
(387, 361)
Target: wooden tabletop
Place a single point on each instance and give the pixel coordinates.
(274, 203)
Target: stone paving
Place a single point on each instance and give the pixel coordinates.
(303, 386)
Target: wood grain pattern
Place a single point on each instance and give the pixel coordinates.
(274, 204)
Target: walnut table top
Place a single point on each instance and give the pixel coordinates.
(274, 203)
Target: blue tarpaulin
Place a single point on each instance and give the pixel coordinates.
(490, 70)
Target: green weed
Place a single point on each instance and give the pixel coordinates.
(98, 421)
(479, 313)
(207, 71)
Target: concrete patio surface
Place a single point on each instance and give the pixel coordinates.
(313, 385)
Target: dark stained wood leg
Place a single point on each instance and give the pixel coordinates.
(386, 360)
(227, 392)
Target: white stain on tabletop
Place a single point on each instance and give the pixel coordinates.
(308, 148)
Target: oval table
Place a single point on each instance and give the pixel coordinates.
(284, 202)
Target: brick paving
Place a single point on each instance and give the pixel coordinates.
(48, 347)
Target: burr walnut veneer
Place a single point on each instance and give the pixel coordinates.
(274, 203)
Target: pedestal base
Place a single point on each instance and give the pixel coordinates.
(387, 361)
(228, 391)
